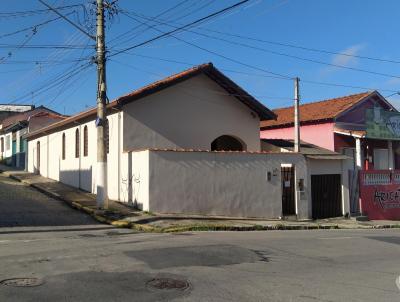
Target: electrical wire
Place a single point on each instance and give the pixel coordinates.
(279, 76)
(29, 13)
(278, 43)
(33, 27)
(159, 15)
(271, 51)
(165, 34)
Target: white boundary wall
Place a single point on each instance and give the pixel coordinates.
(216, 183)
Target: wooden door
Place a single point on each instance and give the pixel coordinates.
(288, 186)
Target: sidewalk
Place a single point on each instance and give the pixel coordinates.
(121, 215)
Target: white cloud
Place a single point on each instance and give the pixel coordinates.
(348, 60)
(343, 60)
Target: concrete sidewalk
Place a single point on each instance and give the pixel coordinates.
(124, 216)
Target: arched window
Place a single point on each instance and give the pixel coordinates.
(85, 141)
(107, 135)
(63, 146)
(227, 143)
(77, 143)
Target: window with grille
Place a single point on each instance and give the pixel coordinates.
(85, 141)
(76, 143)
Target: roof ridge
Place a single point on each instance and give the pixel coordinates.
(327, 100)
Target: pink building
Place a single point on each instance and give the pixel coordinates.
(339, 125)
(364, 126)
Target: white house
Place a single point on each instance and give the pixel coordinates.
(189, 143)
(15, 126)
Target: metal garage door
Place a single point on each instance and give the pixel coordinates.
(326, 196)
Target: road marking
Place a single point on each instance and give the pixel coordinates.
(335, 238)
(4, 241)
(398, 282)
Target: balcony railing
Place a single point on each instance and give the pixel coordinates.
(379, 177)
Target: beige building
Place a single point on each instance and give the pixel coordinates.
(186, 144)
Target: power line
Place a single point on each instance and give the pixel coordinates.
(260, 75)
(281, 43)
(159, 15)
(52, 83)
(44, 46)
(195, 9)
(68, 20)
(33, 27)
(210, 90)
(274, 52)
(34, 12)
(173, 31)
(279, 76)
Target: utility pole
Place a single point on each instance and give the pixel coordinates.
(101, 121)
(102, 194)
(296, 116)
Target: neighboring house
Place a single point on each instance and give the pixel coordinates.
(362, 126)
(12, 144)
(339, 125)
(7, 110)
(327, 175)
(189, 143)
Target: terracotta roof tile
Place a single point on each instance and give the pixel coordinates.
(208, 69)
(315, 111)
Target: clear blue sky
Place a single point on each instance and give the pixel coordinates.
(358, 27)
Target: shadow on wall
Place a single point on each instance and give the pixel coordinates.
(130, 189)
(79, 179)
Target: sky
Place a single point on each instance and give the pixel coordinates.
(249, 44)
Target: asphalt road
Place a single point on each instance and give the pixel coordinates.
(21, 205)
(94, 262)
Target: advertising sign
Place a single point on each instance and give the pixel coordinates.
(382, 124)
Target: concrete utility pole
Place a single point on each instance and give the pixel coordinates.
(102, 195)
(296, 116)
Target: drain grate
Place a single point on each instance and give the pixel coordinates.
(168, 284)
(22, 282)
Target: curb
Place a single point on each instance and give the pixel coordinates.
(95, 214)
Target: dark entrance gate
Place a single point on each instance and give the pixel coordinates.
(288, 201)
(326, 196)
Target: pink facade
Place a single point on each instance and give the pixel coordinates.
(318, 134)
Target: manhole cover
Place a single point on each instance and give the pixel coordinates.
(22, 282)
(168, 284)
